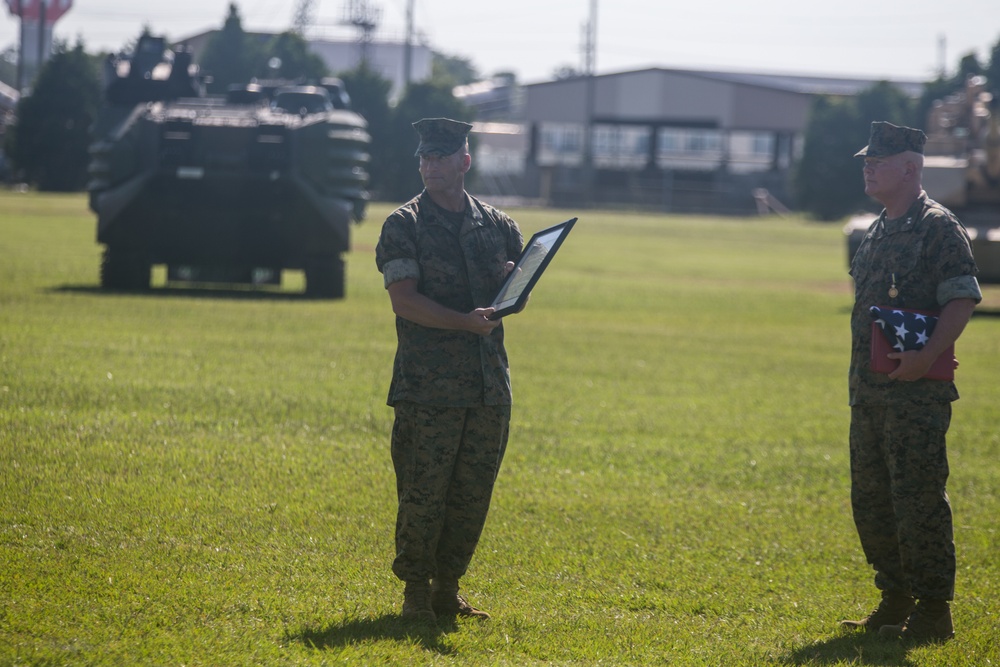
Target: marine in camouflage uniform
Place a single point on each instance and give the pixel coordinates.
(450, 387)
(920, 260)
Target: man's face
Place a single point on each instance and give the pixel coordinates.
(444, 173)
(884, 175)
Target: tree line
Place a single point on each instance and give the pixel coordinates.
(48, 144)
(827, 180)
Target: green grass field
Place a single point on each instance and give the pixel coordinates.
(203, 478)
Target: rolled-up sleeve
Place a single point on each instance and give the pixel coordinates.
(959, 287)
(396, 252)
(949, 251)
(399, 269)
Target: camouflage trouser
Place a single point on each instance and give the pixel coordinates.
(446, 461)
(899, 467)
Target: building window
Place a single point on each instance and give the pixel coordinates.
(689, 149)
(621, 146)
(560, 144)
(751, 151)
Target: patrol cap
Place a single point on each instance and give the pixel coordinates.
(887, 139)
(441, 136)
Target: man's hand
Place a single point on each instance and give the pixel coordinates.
(912, 365)
(479, 322)
(410, 304)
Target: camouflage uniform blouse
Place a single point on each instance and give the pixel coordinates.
(926, 255)
(458, 261)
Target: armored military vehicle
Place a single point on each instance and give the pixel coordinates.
(229, 189)
(962, 171)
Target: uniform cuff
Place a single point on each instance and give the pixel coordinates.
(400, 269)
(959, 287)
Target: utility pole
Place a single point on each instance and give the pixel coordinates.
(942, 47)
(45, 13)
(42, 6)
(20, 47)
(590, 42)
(590, 72)
(408, 47)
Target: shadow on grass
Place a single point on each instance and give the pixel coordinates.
(429, 635)
(248, 293)
(853, 648)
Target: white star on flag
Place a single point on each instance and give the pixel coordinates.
(904, 329)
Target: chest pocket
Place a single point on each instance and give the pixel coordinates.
(442, 267)
(893, 263)
(486, 253)
(861, 268)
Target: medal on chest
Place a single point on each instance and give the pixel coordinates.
(893, 292)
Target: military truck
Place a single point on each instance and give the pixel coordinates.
(222, 189)
(962, 171)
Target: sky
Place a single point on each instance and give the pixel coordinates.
(890, 39)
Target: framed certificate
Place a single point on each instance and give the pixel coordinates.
(529, 267)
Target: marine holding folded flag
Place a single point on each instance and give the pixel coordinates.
(916, 255)
(444, 256)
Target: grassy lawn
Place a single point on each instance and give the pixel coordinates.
(202, 477)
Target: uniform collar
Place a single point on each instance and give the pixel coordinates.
(473, 218)
(906, 222)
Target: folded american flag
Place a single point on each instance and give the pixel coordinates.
(904, 329)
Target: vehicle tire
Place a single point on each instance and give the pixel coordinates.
(325, 278)
(124, 270)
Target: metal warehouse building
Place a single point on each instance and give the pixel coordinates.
(669, 139)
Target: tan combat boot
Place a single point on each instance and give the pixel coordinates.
(894, 608)
(417, 601)
(929, 622)
(446, 601)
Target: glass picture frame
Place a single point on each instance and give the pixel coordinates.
(534, 259)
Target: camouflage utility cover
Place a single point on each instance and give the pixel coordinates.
(887, 139)
(925, 255)
(458, 261)
(441, 136)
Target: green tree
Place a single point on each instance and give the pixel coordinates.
(230, 57)
(943, 86)
(423, 100)
(827, 180)
(294, 59)
(452, 70)
(992, 71)
(934, 90)
(566, 72)
(884, 101)
(49, 143)
(8, 66)
(967, 66)
(369, 93)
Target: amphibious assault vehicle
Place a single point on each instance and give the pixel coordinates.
(229, 189)
(961, 171)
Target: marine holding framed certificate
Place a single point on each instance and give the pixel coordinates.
(528, 269)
